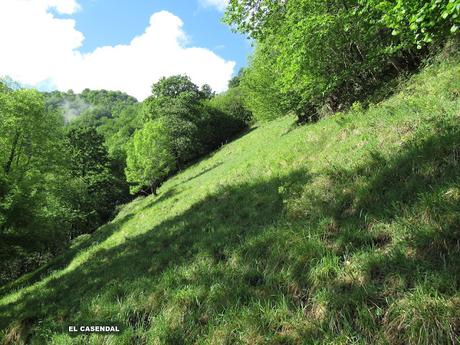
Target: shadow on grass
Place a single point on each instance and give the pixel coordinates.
(206, 228)
(414, 189)
(63, 260)
(204, 171)
(403, 228)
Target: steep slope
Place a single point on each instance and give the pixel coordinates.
(344, 231)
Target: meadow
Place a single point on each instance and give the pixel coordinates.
(344, 231)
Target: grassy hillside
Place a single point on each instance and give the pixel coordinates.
(346, 231)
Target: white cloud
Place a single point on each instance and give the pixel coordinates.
(62, 6)
(219, 4)
(38, 48)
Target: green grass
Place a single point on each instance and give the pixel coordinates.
(346, 231)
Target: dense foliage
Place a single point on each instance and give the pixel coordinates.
(150, 158)
(182, 124)
(95, 187)
(31, 204)
(94, 105)
(419, 22)
(232, 102)
(68, 160)
(318, 56)
(367, 201)
(56, 181)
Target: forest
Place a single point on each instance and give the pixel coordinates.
(70, 159)
(73, 164)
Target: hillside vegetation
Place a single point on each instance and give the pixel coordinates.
(69, 160)
(345, 231)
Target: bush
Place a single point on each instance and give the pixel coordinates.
(232, 104)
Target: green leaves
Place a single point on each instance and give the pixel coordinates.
(317, 56)
(420, 23)
(56, 181)
(149, 156)
(181, 123)
(31, 143)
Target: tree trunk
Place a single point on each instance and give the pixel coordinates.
(8, 164)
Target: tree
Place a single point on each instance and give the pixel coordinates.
(119, 130)
(32, 216)
(232, 104)
(235, 81)
(217, 126)
(207, 92)
(149, 157)
(28, 133)
(189, 127)
(329, 54)
(178, 102)
(260, 91)
(174, 86)
(88, 154)
(56, 181)
(96, 188)
(91, 107)
(255, 18)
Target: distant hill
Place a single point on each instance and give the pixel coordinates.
(102, 102)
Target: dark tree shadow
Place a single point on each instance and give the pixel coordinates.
(207, 228)
(63, 260)
(204, 171)
(416, 187)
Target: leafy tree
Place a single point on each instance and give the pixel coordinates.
(235, 81)
(184, 137)
(108, 99)
(232, 104)
(180, 115)
(258, 85)
(313, 54)
(174, 86)
(118, 130)
(217, 127)
(419, 22)
(32, 217)
(28, 133)
(207, 92)
(150, 157)
(90, 107)
(57, 181)
(179, 103)
(96, 190)
(190, 127)
(87, 150)
(256, 18)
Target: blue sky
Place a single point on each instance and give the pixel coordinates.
(112, 22)
(117, 45)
